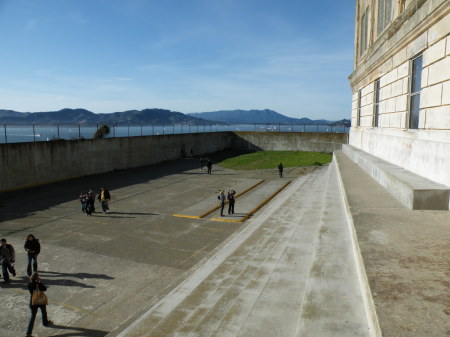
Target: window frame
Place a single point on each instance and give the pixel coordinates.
(364, 32)
(376, 103)
(358, 113)
(414, 96)
(384, 15)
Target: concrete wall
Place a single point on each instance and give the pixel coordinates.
(29, 164)
(425, 153)
(285, 141)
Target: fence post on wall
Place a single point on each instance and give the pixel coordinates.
(57, 130)
(174, 128)
(163, 128)
(128, 129)
(34, 134)
(6, 134)
(79, 131)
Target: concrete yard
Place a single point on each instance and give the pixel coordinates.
(291, 269)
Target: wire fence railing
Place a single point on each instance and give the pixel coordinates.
(20, 133)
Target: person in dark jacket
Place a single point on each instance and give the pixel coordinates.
(104, 198)
(209, 166)
(231, 200)
(7, 259)
(33, 248)
(90, 199)
(280, 170)
(35, 283)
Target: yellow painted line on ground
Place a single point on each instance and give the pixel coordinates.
(256, 208)
(186, 216)
(217, 207)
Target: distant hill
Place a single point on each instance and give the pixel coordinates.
(255, 116)
(157, 116)
(82, 116)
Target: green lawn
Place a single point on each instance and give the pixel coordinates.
(271, 159)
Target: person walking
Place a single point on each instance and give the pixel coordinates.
(104, 198)
(7, 259)
(83, 201)
(280, 169)
(209, 166)
(202, 163)
(90, 198)
(221, 198)
(231, 200)
(33, 248)
(36, 284)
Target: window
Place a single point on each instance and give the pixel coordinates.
(363, 31)
(416, 87)
(358, 113)
(384, 15)
(376, 106)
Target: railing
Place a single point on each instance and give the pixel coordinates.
(20, 133)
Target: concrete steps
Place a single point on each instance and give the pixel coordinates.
(290, 272)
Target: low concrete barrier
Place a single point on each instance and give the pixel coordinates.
(412, 190)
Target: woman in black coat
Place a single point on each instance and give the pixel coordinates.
(35, 282)
(33, 248)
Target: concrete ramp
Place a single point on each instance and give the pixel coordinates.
(290, 272)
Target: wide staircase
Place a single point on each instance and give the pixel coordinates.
(293, 270)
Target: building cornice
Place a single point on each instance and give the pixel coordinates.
(413, 22)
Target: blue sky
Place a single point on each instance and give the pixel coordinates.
(291, 56)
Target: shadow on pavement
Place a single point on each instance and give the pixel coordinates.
(78, 332)
(20, 203)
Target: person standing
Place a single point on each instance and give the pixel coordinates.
(7, 258)
(280, 169)
(231, 200)
(209, 166)
(202, 163)
(33, 248)
(35, 283)
(104, 198)
(221, 198)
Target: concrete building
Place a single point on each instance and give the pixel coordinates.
(401, 86)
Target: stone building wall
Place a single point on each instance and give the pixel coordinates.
(421, 29)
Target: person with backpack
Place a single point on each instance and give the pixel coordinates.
(221, 198)
(7, 259)
(33, 248)
(35, 285)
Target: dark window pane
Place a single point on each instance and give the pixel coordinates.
(416, 75)
(414, 112)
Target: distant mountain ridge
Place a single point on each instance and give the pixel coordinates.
(157, 116)
(257, 116)
(83, 116)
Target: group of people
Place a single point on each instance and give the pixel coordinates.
(230, 197)
(206, 162)
(87, 201)
(8, 258)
